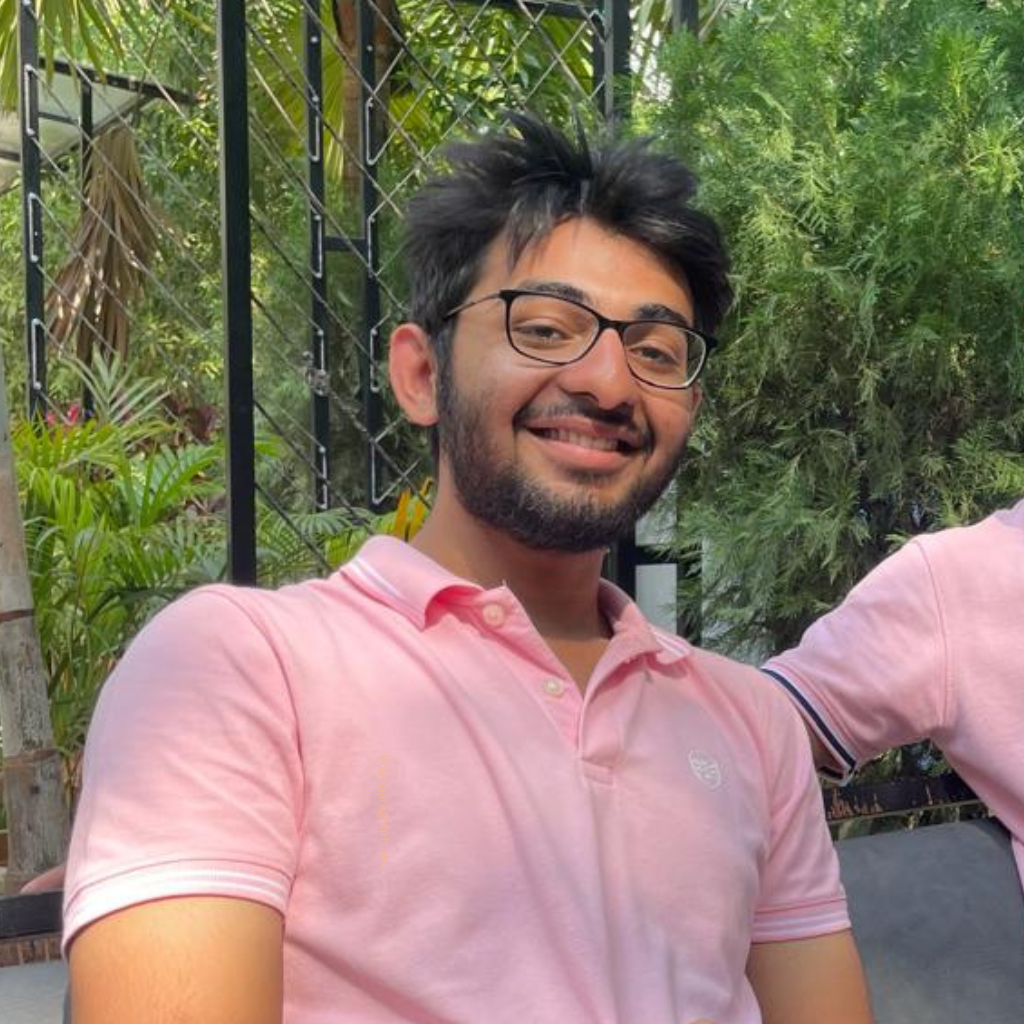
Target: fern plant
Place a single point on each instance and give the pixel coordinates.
(123, 513)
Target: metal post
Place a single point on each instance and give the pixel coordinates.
(319, 381)
(236, 271)
(597, 38)
(686, 15)
(372, 403)
(86, 134)
(32, 205)
(615, 99)
(617, 93)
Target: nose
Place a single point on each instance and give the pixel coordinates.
(603, 373)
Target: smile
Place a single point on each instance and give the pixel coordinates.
(601, 444)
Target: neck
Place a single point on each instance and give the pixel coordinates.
(557, 589)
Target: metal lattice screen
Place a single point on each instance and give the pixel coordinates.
(350, 104)
(313, 123)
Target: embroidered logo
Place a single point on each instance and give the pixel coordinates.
(705, 768)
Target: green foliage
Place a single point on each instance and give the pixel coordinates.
(88, 28)
(124, 512)
(472, 65)
(866, 162)
(119, 518)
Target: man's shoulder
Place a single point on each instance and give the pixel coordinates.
(998, 536)
(231, 617)
(978, 566)
(298, 597)
(736, 690)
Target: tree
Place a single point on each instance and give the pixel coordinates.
(37, 820)
(866, 162)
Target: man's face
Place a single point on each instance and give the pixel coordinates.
(562, 458)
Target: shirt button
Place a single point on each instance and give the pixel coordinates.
(553, 687)
(494, 614)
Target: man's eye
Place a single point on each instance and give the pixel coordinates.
(541, 332)
(654, 355)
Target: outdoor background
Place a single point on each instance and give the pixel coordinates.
(865, 159)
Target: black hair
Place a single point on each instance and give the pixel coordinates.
(525, 182)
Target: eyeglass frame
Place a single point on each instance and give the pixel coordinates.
(509, 295)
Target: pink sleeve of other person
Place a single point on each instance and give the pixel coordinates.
(872, 674)
(929, 644)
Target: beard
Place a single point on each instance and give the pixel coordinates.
(498, 492)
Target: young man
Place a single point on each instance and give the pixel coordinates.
(929, 644)
(464, 779)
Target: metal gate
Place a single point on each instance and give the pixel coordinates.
(341, 106)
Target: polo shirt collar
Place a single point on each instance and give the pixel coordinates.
(397, 574)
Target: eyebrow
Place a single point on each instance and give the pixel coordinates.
(646, 311)
(559, 288)
(657, 311)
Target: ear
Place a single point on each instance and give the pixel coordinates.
(696, 397)
(412, 367)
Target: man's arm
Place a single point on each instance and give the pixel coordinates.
(873, 673)
(808, 981)
(52, 878)
(194, 960)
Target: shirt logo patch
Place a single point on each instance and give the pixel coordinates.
(705, 768)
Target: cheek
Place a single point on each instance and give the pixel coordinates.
(501, 390)
(671, 421)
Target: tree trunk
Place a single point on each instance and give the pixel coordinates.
(37, 820)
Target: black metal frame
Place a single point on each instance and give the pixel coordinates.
(236, 258)
(611, 27)
(317, 359)
(31, 114)
(612, 40)
(31, 204)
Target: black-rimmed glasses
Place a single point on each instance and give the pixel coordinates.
(556, 330)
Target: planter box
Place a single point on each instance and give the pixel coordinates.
(30, 928)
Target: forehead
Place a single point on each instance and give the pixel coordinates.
(616, 274)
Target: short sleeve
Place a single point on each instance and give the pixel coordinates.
(801, 895)
(872, 674)
(192, 780)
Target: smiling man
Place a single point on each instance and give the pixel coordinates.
(463, 779)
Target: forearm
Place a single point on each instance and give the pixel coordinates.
(808, 981)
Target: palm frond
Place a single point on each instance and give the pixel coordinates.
(113, 246)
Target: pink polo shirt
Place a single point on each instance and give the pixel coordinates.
(931, 643)
(394, 760)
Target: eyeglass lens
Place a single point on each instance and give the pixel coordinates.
(558, 331)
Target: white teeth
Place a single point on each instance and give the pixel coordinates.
(604, 444)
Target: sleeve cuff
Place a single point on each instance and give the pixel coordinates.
(87, 903)
(784, 924)
(844, 762)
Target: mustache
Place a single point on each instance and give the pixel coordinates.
(618, 418)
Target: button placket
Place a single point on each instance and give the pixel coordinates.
(513, 641)
(553, 688)
(494, 615)
(605, 717)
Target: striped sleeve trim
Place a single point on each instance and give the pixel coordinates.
(783, 924)
(828, 737)
(143, 885)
